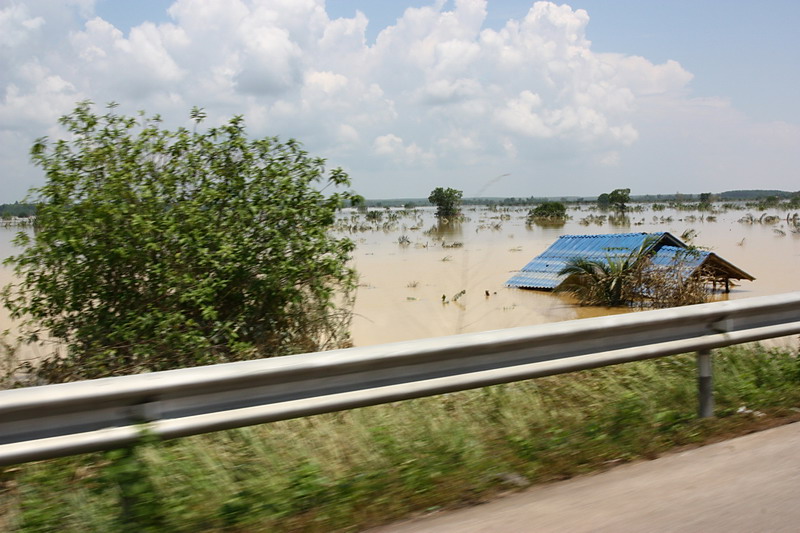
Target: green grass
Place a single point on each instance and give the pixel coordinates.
(351, 470)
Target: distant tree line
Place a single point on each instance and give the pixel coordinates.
(755, 194)
(17, 210)
(515, 201)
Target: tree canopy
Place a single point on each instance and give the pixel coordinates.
(160, 248)
(447, 201)
(619, 199)
(616, 199)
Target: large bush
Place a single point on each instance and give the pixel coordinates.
(548, 211)
(158, 249)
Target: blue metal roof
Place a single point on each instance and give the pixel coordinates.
(672, 255)
(688, 260)
(542, 271)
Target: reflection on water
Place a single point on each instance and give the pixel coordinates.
(446, 229)
(408, 287)
(550, 223)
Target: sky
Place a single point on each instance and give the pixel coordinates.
(492, 97)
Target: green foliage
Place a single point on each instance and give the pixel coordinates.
(357, 469)
(374, 216)
(632, 279)
(608, 281)
(548, 211)
(159, 249)
(447, 201)
(598, 281)
(17, 210)
(356, 200)
(619, 198)
(128, 476)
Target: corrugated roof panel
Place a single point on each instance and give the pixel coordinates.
(542, 271)
(599, 246)
(534, 280)
(670, 255)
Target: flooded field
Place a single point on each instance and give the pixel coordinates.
(408, 265)
(420, 278)
(7, 326)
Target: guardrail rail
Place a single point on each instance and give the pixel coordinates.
(57, 420)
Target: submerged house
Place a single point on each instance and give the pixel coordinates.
(542, 272)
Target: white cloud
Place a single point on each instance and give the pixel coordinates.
(16, 25)
(400, 152)
(458, 99)
(389, 144)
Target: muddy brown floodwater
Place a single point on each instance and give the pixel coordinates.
(401, 285)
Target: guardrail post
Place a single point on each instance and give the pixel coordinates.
(705, 386)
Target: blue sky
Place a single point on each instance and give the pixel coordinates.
(568, 99)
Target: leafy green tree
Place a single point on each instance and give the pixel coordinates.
(602, 201)
(159, 249)
(447, 201)
(356, 200)
(619, 198)
(548, 211)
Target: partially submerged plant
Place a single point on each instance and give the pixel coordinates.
(633, 279)
(547, 212)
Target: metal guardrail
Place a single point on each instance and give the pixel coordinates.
(58, 420)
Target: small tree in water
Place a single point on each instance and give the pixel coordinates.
(619, 198)
(447, 201)
(158, 249)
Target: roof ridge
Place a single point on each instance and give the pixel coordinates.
(594, 235)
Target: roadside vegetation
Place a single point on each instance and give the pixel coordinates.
(158, 249)
(352, 470)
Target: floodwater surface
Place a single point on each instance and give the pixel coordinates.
(413, 289)
(419, 278)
